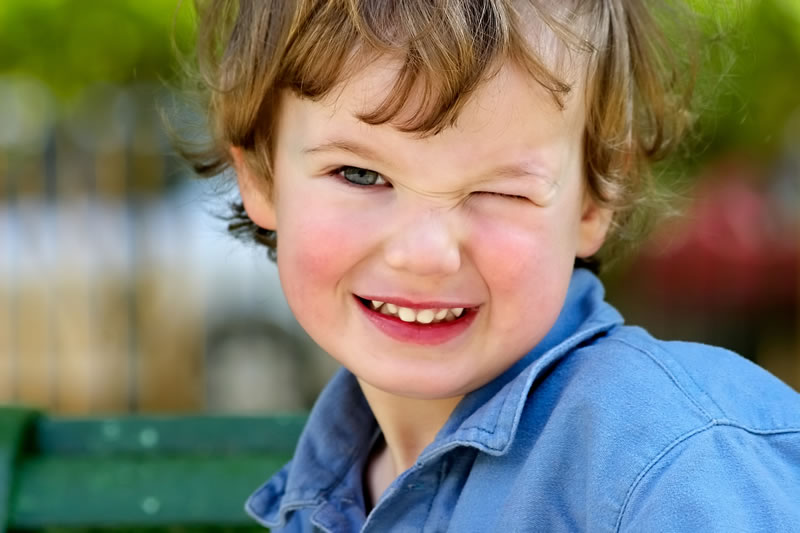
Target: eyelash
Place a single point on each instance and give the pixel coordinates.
(502, 195)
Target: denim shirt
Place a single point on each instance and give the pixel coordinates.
(598, 428)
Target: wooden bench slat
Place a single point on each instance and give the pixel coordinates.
(167, 434)
(113, 491)
(136, 471)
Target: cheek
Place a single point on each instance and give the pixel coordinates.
(317, 247)
(530, 281)
(531, 252)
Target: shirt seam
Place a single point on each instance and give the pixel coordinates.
(439, 476)
(701, 389)
(682, 438)
(674, 379)
(282, 511)
(314, 519)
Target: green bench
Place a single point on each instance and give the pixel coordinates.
(175, 473)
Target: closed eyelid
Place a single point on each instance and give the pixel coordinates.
(537, 189)
(502, 194)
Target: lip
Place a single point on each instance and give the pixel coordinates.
(415, 333)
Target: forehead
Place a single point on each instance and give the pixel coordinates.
(509, 117)
(442, 51)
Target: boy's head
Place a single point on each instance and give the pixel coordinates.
(434, 168)
(610, 53)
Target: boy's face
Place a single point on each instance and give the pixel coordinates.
(488, 216)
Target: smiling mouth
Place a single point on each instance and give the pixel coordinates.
(425, 316)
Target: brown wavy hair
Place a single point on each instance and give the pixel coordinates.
(637, 92)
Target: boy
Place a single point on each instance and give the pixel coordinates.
(439, 173)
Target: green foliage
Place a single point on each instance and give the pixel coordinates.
(750, 83)
(70, 44)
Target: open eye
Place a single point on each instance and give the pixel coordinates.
(360, 176)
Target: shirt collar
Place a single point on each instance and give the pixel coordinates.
(341, 429)
(488, 417)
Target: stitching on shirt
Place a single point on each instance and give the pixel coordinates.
(282, 511)
(707, 395)
(439, 477)
(322, 495)
(671, 376)
(703, 391)
(591, 331)
(758, 431)
(315, 520)
(669, 447)
(650, 465)
(491, 431)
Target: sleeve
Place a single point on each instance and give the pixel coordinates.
(725, 478)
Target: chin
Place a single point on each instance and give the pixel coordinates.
(420, 385)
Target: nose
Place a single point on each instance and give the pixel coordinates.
(425, 245)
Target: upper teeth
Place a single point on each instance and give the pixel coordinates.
(422, 316)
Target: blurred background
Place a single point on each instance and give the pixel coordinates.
(120, 290)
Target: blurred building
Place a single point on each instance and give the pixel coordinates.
(119, 287)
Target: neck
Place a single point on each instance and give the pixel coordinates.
(408, 424)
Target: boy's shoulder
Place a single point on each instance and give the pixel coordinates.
(652, 428)
(628, 393)
(629, 369)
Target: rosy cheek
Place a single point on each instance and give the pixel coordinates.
(529, 281)
(318, 247)
(517, 246)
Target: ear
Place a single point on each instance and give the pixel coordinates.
(255, 193)
(594, 224)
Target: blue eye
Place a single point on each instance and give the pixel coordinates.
(360, 176)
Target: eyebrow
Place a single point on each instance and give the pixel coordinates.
(514, 171)
(337, 145)
(522, 169)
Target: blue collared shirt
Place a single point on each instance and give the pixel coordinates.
(599, 428)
